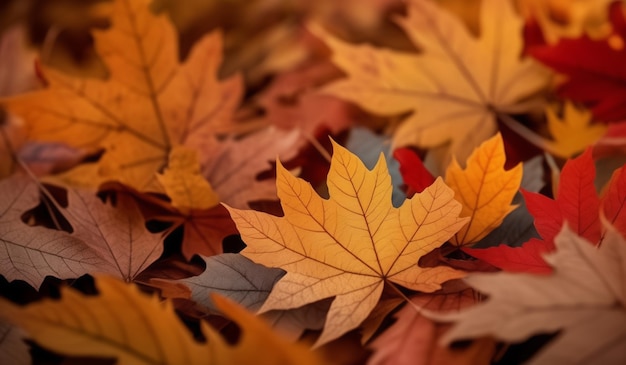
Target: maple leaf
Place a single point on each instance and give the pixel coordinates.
(148, 105)
(31, 253)
(517, 227)
(348, 246)
(235, 277)
(594, 71)
(142, 333)
(576, 202)
(105, 239)
(413, 337)
(484, 189)
(120, 322)
(457, 87)
(527, 258)
(290, 102)
(584, 299)
(414, 173)
(573, 133)
(115, 233)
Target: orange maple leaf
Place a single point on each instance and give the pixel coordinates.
(484, 189)
(150, 103)
(350, 245)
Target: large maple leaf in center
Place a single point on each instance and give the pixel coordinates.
(350, 245)
(456, 87)
(149, 104)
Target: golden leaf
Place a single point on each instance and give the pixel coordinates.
(350, 245)
(455, 88)
(120, 322)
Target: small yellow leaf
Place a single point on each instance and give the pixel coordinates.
(184, 183)
(484, 189)
(120, 322)
(572, 133)
(350, 245)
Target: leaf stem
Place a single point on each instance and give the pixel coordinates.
(527, 134)
(318, 146)
(393, 286)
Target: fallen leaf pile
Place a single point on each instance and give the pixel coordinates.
(290, 182)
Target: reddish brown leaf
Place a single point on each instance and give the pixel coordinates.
(203, 229)
(413, 338)
(290, 101)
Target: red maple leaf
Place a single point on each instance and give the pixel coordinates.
(415, 175)
(576, 203)
(595, 70)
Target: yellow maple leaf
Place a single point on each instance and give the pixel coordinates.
(149, 104)
(456, 88)
(350, 245)
(572, 133)
(484, 189)
(123, 323)
(120, 322)
(184, 183)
